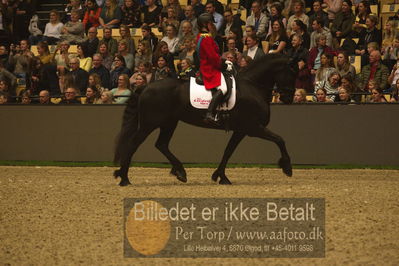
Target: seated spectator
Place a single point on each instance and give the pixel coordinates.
(189, 16)
(298, 27)
(144, 68)
(44, 97)
(106, 97)
(186, 71)
(317, 13)
(110, 16)
(171, 38)
(112, 44)
(163, 50)
(232, 57)
(232, 22)
(231, 48)
(275, 15)
(188, 50)
(123, 50)
(131, 15)
(91, 17)
(140, 84)
(44, 53)
(186, 33)
(161, 70)
(375, 70)
(253, 49)
(73, 30)
(314, 59)
(198, 7)
(342, 24)
(124, 31)
(63, 57)
(300, 96)
(299, 14)
(326, 67)
(122, 92)
(52, 32)
(119, 68)
(3, 98)
(348, 83)
(78, 76)
(236, 35)
(95, 81)
(257, 19)
(319, 29)
(343, 96)
(92, 95)
(100, 70)
(107, 58)
(143, 54)
(8, 91)
(92, 42)
(389, 34)
(297, 51)
(377, 96)
(25, 97)
(321, 96)
(4, 58)
(277, 40)
(244, 62)
(330, 85)
(395, 93)
(70, 96)
(210, 8)
(393, 77)
(85, 61)
(391, 54)
(368, 35)
(343, 66)
(362, 11)
(177, 10)
(73, 6)
(169, 19)
(151, 13)
(149, 36)
(333, 7)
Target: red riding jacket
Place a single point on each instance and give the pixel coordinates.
(210, 60)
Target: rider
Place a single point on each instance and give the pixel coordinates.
(210, 63)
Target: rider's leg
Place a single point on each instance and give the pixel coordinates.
(217, 97)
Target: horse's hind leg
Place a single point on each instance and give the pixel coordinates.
(231, 146)
(127, 153)
(162, 144)
(285, 161)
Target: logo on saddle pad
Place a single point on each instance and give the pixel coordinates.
(201, 97)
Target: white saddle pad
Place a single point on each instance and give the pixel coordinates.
(201, 97)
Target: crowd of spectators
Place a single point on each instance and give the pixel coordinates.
(323, 38)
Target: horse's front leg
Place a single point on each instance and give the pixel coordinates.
(231, 146)
(285, 161)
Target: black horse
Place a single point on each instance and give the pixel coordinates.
(162, 104)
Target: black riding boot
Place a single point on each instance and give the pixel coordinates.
(217, 98)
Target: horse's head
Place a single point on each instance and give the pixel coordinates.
(285, 80)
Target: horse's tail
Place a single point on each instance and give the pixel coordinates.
(129, 126)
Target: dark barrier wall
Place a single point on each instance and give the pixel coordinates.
(314, 134)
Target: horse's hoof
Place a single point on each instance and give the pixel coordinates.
(181, 175)
(124, 182)
(286, 166)
(224, 181)
(215, 176)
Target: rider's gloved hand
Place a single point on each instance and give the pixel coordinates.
(229, 65)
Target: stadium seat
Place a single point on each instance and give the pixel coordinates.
(56, 100)
(390, 8)
(116, 34)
